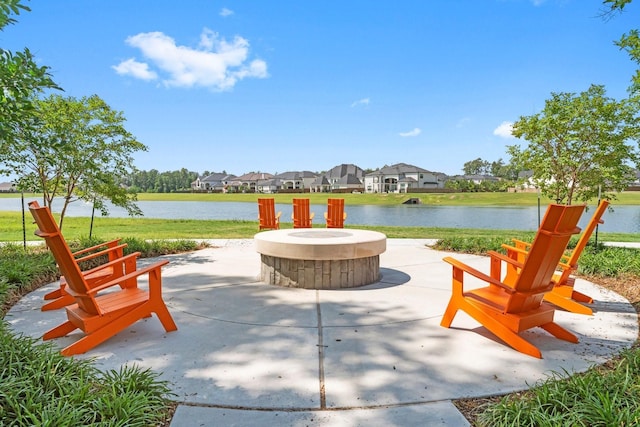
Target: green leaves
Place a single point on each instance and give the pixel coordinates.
(7, 8)
(77, 149)
(578, 144)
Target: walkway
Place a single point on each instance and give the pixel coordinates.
(251, 354)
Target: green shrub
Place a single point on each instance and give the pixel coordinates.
(42, 387)
(588, 399)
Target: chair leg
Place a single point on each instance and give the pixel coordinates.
(55, 293)
(165, 318)
(559, 332)
(567, 304)
(60, 331)
(449, 314)
(511, 338)
(579, 296)
(62, 301)
(106, 331)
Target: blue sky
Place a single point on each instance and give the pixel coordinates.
(276, 86)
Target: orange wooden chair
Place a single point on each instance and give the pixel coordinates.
(508, 309)
(335, 215)
(301, 215)
(111, 251)
(563, 294)
(101, 315)
(267, 214)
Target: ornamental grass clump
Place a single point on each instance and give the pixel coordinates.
(42, 387)
(602, 396)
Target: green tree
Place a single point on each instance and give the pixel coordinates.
(77, 150)
(578, 144)
(476, 167)
(21, 80)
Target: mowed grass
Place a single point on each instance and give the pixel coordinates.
(11, 229)
(440, 199)
(11, 226)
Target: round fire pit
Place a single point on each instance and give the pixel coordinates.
(320, 258)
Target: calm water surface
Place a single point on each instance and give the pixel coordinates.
(623, 219)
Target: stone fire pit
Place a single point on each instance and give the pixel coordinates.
(320, 258)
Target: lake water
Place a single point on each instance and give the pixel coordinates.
(623, 219)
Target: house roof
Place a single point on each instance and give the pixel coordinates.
(271, 182)
(407, 179)
(321, 180)
(217, 177)
(253, 176)
(398, 169)
(344, 170)
(350, 180)
(295, 175)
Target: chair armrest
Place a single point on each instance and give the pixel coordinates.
(508, 260)
(522, 243)
(125, 258)
(514, 249)
(103, 252)
(478, 274)
(110, 243)
(128, 276)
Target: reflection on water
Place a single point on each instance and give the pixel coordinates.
(623, 219)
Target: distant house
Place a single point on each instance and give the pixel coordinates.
(341, 177)
(217, 182)
(7, 187)
(271, 185)
(401, 177)
(296, 180)
(251, 182)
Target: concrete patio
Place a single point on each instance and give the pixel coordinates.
(247, 353)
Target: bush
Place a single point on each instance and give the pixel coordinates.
(42, 387)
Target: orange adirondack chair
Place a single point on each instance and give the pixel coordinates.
(101, 315)
(335, 215)
(508, 309)
(111, 250)
(267, 214)
(563, 294)
(301, 216)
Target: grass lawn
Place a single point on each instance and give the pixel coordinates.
(442, 199)
(146, 228)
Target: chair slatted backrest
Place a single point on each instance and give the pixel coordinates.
(301, 213)
(586, 234)
(535, 278)
(267, 213)
(335, 213)
(49, 230)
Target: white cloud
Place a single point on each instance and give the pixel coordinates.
(414, 132)
(363, 102)
(226, 12)
(139, 70)
(504, 130)
(216, 63)
(537, 2)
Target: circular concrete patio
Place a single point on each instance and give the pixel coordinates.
(248, 353)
